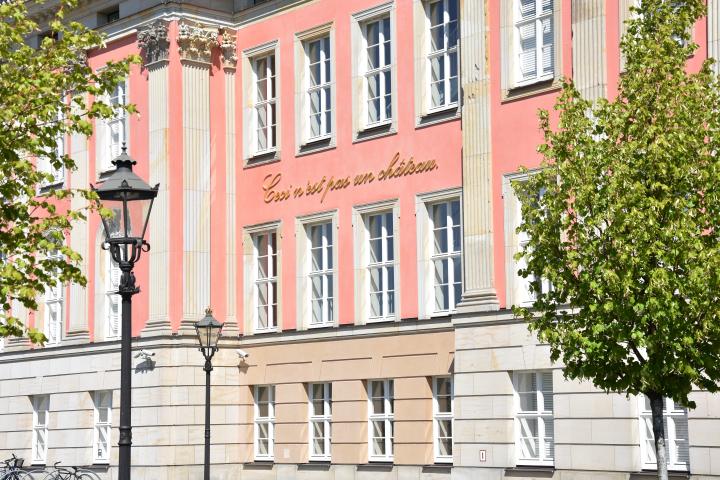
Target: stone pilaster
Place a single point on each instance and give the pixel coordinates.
(713, 20)
(154, 44)
(196, 45)
(588, 48)
(77, 306)
(228, 49)
(478, 283)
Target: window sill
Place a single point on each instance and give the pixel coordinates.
(650, 474)
(260, 465)
(51, 187)
(381, 320)
(261, 332)
(318, 327)
(376, 466)
(439, 467)
(525, 91)
(375, 131)
(434, 117)
(315, 146)
(539, 471)
(262, 158)
(315, 465)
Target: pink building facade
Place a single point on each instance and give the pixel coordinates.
(335, 184)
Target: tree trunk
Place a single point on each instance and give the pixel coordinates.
(656, 405)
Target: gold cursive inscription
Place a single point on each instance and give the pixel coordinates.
(396, 168)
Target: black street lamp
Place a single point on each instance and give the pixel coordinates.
(129, 200)
(208, 332)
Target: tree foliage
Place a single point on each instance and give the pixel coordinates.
(47, 92)
(623, 219)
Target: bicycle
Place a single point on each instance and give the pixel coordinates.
(69, 473)
(13, 469)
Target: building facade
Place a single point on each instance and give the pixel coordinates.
(335, 183)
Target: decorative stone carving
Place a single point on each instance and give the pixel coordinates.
(153, 41)
(228, 48)
(196, 42)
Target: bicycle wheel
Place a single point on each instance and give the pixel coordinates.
(87, 475)
(16, 475)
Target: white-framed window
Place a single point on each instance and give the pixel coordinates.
(318, 90)
(54, 300)
(380, 264)
(102, 401)
(534, 427)
(446, 219)
(265, 280)
(675, 419)
(113, 301)
(443, 419)
(264, 99)
(534, 41)
(113, 132)
(44, 165)
(376, 65)
(518, 288)
(442, 55)
(264, 396)
(41, 416)
(320, 404)
(321, 274)
(380, 420)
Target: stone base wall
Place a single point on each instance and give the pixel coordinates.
(597, 435)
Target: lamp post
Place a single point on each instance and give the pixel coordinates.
(208, 332)
(129, 200)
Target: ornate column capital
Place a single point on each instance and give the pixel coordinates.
(154, 42)
(228, 47)
(196, 42)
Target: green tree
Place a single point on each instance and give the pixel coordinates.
(623, 218)
(47, 91)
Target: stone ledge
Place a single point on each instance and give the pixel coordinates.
(652, 474)
(527, 471)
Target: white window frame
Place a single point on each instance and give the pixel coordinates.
(325, 418)
(442, 416)
(41, 405)
(327, 276)
(108, 149)
(426, 249)
(324, 86)
(543, 417)
(268, 420)
(361, 215)
(539, 17)
(251, 155)
(54, 300)
(113, 301)
(672, 414)
(387, 417)
(445, 52)
(272, 280)
(304, 140)
(268, 104)
(383, 71)
(102, 428)
(44, 165)
(450, 256)
(517, 288)
(388, 305)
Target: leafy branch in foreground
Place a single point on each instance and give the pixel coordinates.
(46, 94)
(622, 220)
